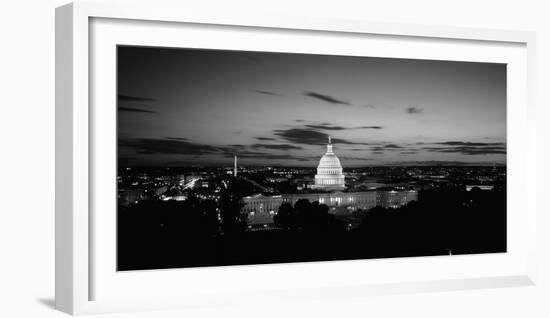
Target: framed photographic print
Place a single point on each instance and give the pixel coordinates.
(213, 157)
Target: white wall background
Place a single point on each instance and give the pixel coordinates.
(27, 159)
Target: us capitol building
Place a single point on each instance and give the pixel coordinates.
(330, 181)
(329, 172)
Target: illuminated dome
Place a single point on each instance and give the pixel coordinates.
(329, 172)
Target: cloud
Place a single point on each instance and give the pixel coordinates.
(303, 136)
(414, 110)
(267, 156)
(470, 144)
(135, 110)
(383, 147)
(354, 158)
(326, 98)
(370, 127)
(136, 98)
(442, 163)
(348, 142)
(466, 147)
(299, 120)
(265, 138)
(371, 106)
(276, 147)
(169, 146)
(245, 153)
(470, 148)
(326, 127)
(268, 93)
(182, 146)
(310, 136)
(391, 146)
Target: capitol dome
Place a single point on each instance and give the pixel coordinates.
(329, 172)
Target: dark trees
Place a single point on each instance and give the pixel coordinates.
(306, 216)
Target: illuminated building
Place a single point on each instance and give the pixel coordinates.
(394, 199)
(329, 172)
(329, 177)
(479, 186)
(260, 208)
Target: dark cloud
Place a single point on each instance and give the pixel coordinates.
(348, 142)
(310, 136)
(329, 126)
(442, 163)
(326, 98)
(268, 93)
(129, 98)
(342, 141)
(246, 153)
(354, 158)
(267, 156)
(391, 146)
(370, 106)
(326, 127)
(265, 138)
(182, 146)
(469, 150)
(303, 136)
(169, 146)
(383, 147)
(299, 120)
(457, 147)
(135, 110)
(370, 127)
(176, 138)
(414, 110)
(470, 144)
(276, 147)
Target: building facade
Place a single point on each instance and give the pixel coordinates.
(261, 209)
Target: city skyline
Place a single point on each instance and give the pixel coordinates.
(181, 107)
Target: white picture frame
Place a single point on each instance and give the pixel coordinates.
(76, 258)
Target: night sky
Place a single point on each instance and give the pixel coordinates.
(179, 107)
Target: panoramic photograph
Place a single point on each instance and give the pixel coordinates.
(242, 158)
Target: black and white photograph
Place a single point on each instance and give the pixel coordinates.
(245, 158)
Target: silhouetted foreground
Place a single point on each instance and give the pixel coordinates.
(168, 234)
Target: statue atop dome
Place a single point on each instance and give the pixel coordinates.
(329, 172)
